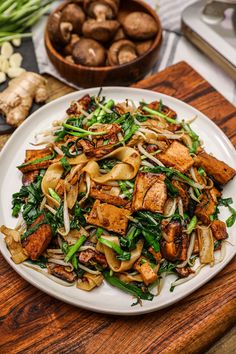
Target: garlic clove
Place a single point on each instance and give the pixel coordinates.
(15, 72)
(6, 50)
(3, 77)
(16, 42)
(4, 64)
(15, 60)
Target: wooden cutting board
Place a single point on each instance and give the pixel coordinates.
(33, 322)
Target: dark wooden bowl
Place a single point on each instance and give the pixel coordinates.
(121, 75)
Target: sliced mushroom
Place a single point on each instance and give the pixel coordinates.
(102, 9)
(75, 15)
(143, 47)
(59, 32)
(89, 52)
(102, 31)
(122, 52)
(139, 25)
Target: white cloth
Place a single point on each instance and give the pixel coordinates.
(175, 47)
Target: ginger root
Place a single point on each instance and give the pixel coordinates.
(16, 100)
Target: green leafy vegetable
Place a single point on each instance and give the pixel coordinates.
(128, 288)
(123, 255)
(172, 190)
(65, 164)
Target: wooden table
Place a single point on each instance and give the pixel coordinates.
(33, 322)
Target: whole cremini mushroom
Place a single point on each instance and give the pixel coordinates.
(140, 26)
(121, 52)
(88, 52)
(73, 14)
(102, 31)
(144, 46)
(59, 32)
(67, 50)
(102, 9)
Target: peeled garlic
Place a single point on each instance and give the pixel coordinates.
(14, 72)
(15, 60)
(6, 50)
(4, 64)
(16, 42)
(3, 77)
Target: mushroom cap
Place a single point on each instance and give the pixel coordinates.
(139, 25)
(144, 46)
(102, 31)
(59, 32)
(120, 34)
(75, 15)
(88, 52)
(121, 52)
(104, 9)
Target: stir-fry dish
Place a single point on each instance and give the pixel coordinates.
(120, 193)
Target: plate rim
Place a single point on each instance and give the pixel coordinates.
(92, 307)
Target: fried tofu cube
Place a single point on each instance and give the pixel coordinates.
(109, 217)
(147, 273)
(219, 170)
(150, 192)
(144, 268)
(32, 155)
(219, 230)
(107, 198)
(177, 156)
(205, 209)
(37, 242)
(174, 245)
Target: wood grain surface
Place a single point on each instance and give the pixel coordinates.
(32, 322)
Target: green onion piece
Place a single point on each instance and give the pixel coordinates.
(201, 171)
(65, 164)
(45, 158)
(123, 255)
(73, 249)
(74, 261)
(54, 195)
(128, 288)
(156, 113)
(77, 129)
(109, 105)
(151, 240)
(192, 225)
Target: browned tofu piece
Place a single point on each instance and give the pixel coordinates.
(150, 192)
(29, 177)
(156, 255)
(37, 242)
(164, 109)
(60, 271)
(184, 272)
(109, 217)
(107, 198)
(32, 155)
(219, 170)
(205, 209)
(219, 230)
(183, 193)
(177, 156)
(144, 268)
(60, 187)
(147, 273)
(174, 245)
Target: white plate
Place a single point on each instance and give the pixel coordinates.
(108, 299)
